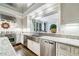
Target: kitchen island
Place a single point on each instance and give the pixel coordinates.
(6, 48)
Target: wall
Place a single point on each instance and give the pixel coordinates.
(18, 30)
(70, 18)
(69, 13)
(28, 25)
(14, 28)
(24, 20)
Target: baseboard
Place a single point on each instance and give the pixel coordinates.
(17, 44)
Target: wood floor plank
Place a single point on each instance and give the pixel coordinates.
(22, 51)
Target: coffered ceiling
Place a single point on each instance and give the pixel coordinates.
(18, 9)
(24, 9)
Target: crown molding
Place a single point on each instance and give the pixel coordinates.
(8, 11)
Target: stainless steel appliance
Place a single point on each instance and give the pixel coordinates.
(12, 38)
(47, 48)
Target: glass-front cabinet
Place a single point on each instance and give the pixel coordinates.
(39, 26)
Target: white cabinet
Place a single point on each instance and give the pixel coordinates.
(62, 49)
(29, 44)
(75, 51)
(34, 46)
(66, 50)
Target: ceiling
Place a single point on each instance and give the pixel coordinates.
(20, 7)
(23, 9)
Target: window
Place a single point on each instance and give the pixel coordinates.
(36, 26)
(45, 26)
(39, 26)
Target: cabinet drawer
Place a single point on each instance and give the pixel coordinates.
(29, 44)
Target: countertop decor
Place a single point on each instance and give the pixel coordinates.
(53, 28)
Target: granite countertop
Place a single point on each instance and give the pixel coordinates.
(6, 49)
(74, 42)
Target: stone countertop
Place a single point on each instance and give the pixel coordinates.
(6, 48)
(74, 42)
(53, 35)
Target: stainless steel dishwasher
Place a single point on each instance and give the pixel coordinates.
(47, 48)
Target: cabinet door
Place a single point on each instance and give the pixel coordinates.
(36, 48)
(76, 52)
(63, 49)
(29, 44)
(72, 51)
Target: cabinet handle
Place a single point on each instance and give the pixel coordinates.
(46, 42)
(51, 43)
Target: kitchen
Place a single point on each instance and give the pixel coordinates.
(39, 29)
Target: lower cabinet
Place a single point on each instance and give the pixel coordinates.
(66, 50)
(61, 49)
(34, 46)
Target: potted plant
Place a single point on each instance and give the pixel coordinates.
(53, 28)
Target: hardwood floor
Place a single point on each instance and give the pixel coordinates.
(22, 51)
